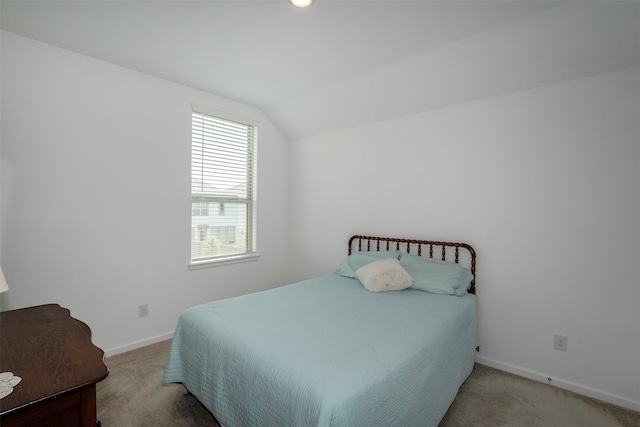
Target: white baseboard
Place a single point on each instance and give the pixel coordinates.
(138, 344)
(562, 383)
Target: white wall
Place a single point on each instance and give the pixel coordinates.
(544, 183)
(96, 195)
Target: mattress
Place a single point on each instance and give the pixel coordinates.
(326, 352)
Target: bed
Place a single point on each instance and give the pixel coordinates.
(338, 350)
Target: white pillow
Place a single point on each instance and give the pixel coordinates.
(384, 275)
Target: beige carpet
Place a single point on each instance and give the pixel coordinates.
(133, 396)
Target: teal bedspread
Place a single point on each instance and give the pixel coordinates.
(326, 352)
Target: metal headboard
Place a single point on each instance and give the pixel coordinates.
(373, 243)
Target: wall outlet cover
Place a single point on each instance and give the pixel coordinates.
(560, 342)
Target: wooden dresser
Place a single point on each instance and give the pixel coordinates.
(53, 354)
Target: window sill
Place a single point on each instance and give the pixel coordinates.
(196, 265)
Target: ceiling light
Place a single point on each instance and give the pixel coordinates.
(301, 3)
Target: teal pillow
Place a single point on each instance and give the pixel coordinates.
(356, 260)
(435, 276)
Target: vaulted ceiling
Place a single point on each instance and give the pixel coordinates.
(340, 64)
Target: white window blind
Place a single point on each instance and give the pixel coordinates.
(223, 188)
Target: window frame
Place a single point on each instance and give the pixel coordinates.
(251, 253)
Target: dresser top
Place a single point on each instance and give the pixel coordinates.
(50, 350)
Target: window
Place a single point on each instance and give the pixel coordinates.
(223, 188)
(199, 209)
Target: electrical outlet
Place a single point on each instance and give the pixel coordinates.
(143, 310)
(560, 342)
